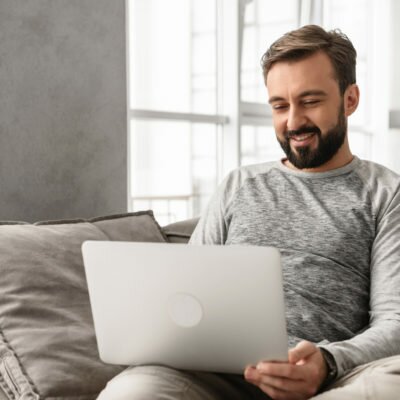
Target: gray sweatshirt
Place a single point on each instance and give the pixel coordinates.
(339, 237)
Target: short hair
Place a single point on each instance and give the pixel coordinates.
(310, 39)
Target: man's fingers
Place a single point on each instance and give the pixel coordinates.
(276, 388)
(283, 370)
(294, 380)
(278, 380)
(303, 350)
(252, 375)
(284, 384)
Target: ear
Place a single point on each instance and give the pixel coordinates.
(351, 98)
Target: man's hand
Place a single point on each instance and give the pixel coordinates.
(298, 379)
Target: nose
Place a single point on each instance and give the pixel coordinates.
(296, 118)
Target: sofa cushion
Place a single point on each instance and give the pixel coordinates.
(180, 232)
(47, 343)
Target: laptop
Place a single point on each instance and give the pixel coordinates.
(204, 308)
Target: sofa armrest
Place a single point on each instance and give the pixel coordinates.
(180, 232)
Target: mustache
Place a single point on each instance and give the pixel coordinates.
(306, 129)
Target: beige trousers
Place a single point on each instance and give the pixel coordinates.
(378, 380)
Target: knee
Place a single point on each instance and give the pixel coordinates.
(144, 383)
(379, 379)
(129, 387)
(383, 381)
(387, 366)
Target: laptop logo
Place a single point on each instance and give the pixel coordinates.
(185, 310)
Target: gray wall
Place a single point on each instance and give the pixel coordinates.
(63, 139)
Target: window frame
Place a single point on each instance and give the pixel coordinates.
(232, 113)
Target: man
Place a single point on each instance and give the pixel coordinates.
(336, 221)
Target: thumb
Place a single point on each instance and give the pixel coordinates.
(303, 350)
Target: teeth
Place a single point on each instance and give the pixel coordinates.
(301, 138)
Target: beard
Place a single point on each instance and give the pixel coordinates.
(328, 145)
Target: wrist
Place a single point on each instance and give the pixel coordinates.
(331, 368)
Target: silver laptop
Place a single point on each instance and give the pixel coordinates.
(209, 308)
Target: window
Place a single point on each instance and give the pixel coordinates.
(197, 98)
(175, 129)
(263, 23)
(353, 18)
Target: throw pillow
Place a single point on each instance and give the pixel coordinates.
(47, 343)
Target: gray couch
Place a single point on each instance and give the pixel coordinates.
(47, 342)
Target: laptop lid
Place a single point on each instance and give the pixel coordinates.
(210, 308)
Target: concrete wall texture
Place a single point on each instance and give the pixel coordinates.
(63, 123)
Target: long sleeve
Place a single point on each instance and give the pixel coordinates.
(382, 336)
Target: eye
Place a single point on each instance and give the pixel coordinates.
(311, 102)
(279, 107)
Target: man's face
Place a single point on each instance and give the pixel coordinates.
(305, 156)
(308, 110)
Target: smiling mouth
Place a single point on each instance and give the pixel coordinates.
(302, 137)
